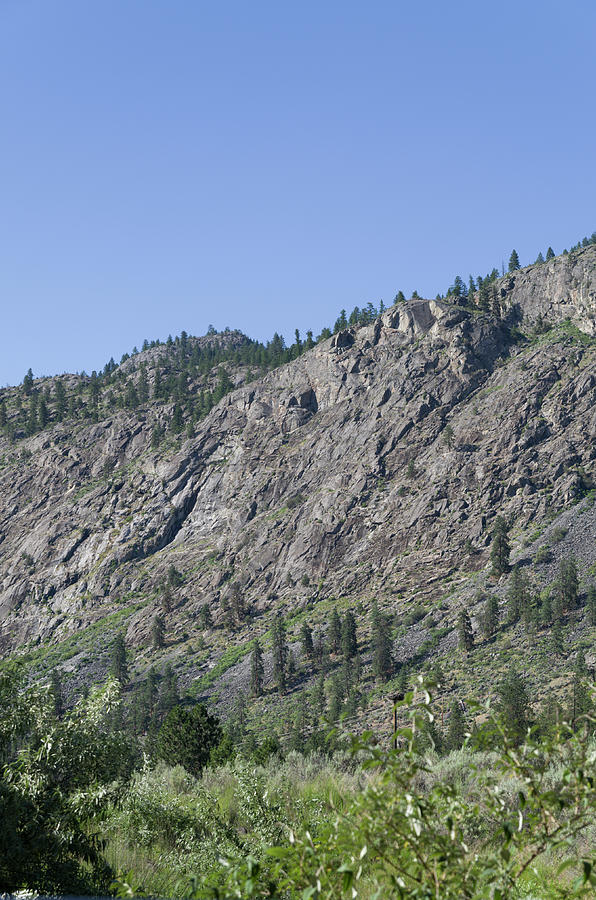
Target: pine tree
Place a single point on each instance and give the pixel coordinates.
(168, 695)
(490, 617)
(569, 582)
(403, 678)
(546, 610)
(465, 635)
(177, 422)
(205, 620)
(56, 691)
(456, 733)
(158, 630)
(550, 254)
(334, 632)
(349, 640)
(257, 670)
(280, 653)
(335, 699)
(381, 643)
(539, 258)
(517, 595)
(143, 385)
(317, 696)
(118, 662)
(556, 636)
(447, 436)
(307, 641)
(500, 549)
(591, 604)
(514, 705)
(514, 261)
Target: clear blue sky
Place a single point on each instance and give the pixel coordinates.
(167, 164)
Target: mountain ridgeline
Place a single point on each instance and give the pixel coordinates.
(205, 489)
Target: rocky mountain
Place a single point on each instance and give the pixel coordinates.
(373, 465)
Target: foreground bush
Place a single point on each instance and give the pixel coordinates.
(410, 835)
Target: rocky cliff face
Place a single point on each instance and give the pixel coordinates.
(372, 465)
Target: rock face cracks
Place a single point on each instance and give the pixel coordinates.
(380, 449)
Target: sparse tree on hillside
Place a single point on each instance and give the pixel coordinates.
(517, 595)
(118, 662)
(591, 604)
(550, 253)
(456, 733)
(514, 705)
(257, 670)
(381, 644)
(514, 261)
(349, 640)
(56, 689)
(465, 635)
(307, 641)
(569, 582)
(334, 632)
(205, 619)
(500, 549)
(447, 436)
(280, 653)
(158, 630)
(490, 618)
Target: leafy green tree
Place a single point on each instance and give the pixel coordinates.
(54, 793)
(465, 635)
(187, 737)
(257, 670)
(514, 261)
(500, 549)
